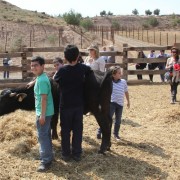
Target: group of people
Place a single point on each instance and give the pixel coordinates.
(172, 66)
(70, 78)
(152, 66)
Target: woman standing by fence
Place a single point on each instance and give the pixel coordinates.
(173, 66)
(140, 65)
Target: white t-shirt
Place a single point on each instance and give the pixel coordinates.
(118, 92)
(98, 64)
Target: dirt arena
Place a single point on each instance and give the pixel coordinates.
(149, 146)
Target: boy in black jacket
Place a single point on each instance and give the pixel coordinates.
(71, 79)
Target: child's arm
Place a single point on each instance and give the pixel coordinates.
(30, 84)
(43, 109)
(127, 98)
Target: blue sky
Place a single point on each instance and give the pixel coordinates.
(92, 8)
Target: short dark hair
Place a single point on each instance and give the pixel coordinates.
(38, 59)
(58, 60)
(71, 53)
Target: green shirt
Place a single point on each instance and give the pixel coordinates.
(43, 86)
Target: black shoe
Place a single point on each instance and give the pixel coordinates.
(66, 158)
(77, 158)
(44, 167)
(98, 136)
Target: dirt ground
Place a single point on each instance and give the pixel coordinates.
(149, 146)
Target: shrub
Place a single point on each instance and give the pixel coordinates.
(86, 23)
(115, 24)
(152, 21)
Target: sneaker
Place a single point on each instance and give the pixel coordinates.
(98, 136)
(44, 167)
(77, 158)
(66, 158)
(117, 138)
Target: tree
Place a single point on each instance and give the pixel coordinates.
(156, 12)
(148, 12)
(86, 23)
(135, 12)
(110, 13)
(72, 18)
(103, 13)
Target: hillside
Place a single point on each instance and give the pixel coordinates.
(165, 22)
(19, 27)
(12, 13)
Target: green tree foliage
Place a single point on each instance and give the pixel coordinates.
(157, 12)
(86, 23)
(148, 12)
(72, 18)
(152, 21)
(103, 13)
(135, 12)
(115, 24)
(110, 13)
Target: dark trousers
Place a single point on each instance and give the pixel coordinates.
(71, 119)
(6, 73)
(152, 66)
(174, 86)
(139, 76)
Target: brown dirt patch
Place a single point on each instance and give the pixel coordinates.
(149, 148)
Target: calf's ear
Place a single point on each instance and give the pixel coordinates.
(21, 96)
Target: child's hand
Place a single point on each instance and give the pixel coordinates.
(30, 84)
(42, 120)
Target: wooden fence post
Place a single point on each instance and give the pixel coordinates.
(124, 61)
(154, 38)
(30, 38)
(175, 38)
(147, 36)
(6, 41)
(142, 34)
(24, 66)
(138, 33)
(167, 38)
(102, 33)
(160, 38)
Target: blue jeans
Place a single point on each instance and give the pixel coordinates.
(117, 110)
(44, 139)
(161, 66)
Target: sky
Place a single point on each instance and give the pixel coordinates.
(92, 8)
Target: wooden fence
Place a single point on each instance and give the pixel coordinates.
(24, 66)
(151, 36)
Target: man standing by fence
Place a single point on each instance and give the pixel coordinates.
(6, 62)
(162, 65)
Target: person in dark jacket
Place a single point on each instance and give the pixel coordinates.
(71, 82)
(140, 65)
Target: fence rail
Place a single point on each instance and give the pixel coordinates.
(24, 66)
